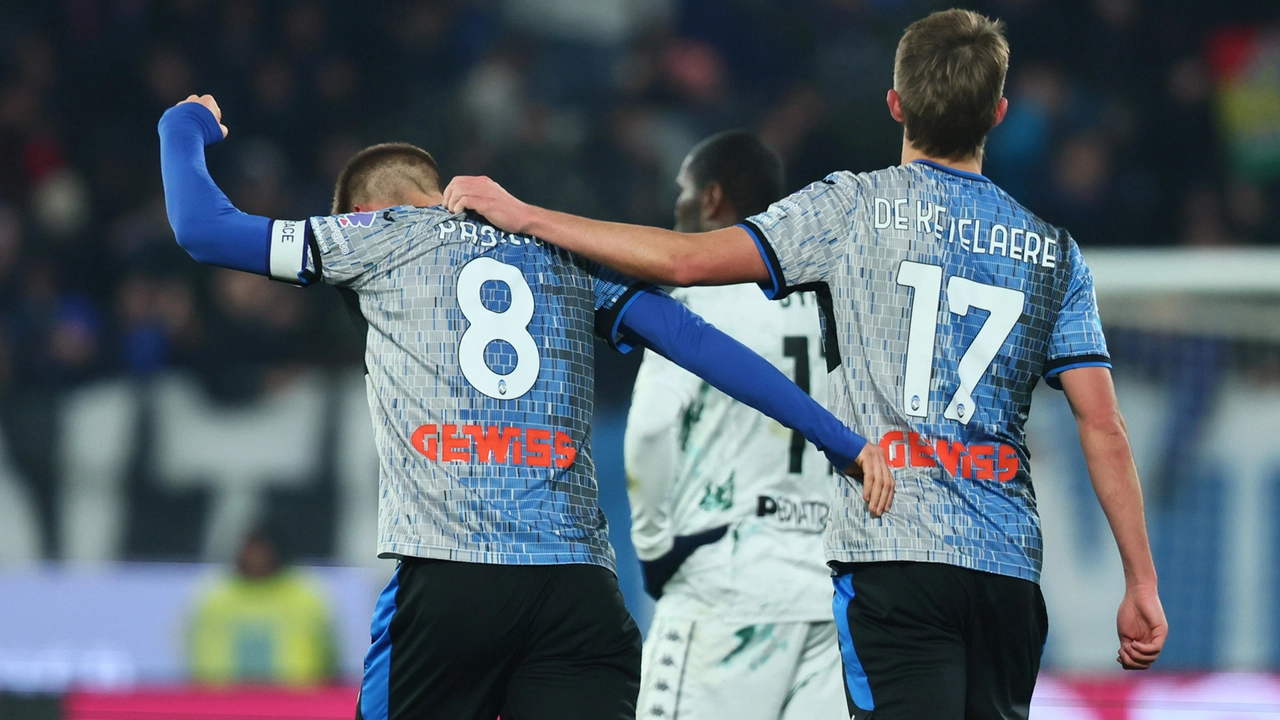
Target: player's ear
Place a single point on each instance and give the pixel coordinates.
(895, 104)
(357, 208)
(712, 200)
(1002, 107)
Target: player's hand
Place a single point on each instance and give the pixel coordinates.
(1142, 628)
(487, 198)
(877, 479)
(209, 102)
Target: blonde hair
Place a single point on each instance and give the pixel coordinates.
(949, 74)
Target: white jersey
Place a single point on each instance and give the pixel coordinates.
(698, 460)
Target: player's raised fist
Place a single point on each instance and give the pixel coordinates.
(209, 102)
(484, 196)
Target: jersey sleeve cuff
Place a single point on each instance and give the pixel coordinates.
(609, 320)
(1054, 368)
(776, 287)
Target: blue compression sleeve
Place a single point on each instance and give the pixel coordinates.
(690, 342)
(206, 224)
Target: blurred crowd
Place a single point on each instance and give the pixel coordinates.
(1130, 123)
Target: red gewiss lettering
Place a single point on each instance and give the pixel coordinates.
(456, 449)
(948, 453)
(921, 454)
(537, 447)
(984, 461)
(895, 448)
(980, 461)
(541, 447)
(424, 440)
(491, 442)
(1007, 464)
(566, 453)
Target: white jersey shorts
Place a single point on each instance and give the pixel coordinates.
(709, 669)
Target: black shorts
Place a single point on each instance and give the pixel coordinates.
(466, 641)
(925, 640)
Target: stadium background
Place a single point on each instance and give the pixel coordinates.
(153, 411)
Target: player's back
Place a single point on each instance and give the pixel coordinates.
(480, 366)
(741, 470)
(951, 300)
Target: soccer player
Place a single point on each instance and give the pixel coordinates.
(950, 301)
(727, 508)
(479, 358)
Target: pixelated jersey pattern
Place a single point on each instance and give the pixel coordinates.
(997, 286)
(1078, 331)
(504, 477)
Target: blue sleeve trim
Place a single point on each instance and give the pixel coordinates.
(620, 340)
(777, 288)
(1060, 366)
(609, 323)
(953, 171)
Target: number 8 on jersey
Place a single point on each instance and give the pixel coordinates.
(486, 326)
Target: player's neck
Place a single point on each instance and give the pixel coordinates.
(415, 198)
(911, 154)
(421, 199)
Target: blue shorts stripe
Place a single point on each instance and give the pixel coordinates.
(375, 689)
(855, 677)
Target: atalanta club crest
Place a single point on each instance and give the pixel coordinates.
(360, 219)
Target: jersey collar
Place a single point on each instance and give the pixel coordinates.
(953, 171)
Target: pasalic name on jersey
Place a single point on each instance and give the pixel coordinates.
(482, 235)
(1015, 243)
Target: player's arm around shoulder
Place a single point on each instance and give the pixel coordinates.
(1140, 622)
(651, 254)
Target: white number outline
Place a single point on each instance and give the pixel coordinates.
(1004, 308)
(485, 326)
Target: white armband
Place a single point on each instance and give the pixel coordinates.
(288, 245)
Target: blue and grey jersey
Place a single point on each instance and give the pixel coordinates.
(945, 302)
(479, 356)
(480, 362)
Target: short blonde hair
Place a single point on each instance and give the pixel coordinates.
(949, 74)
